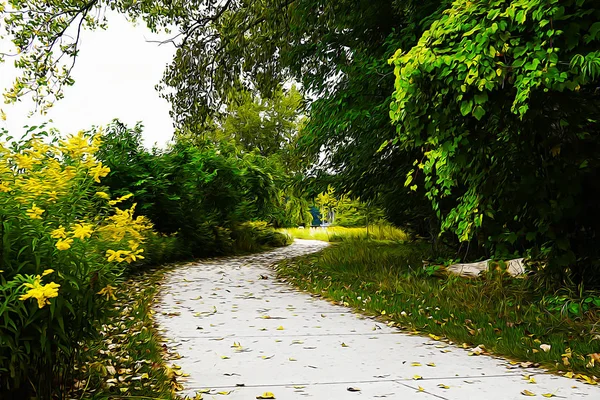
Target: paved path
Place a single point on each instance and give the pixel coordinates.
(235, 324)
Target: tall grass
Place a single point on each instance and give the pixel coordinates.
(340, 234)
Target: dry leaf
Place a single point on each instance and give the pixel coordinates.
(548, 395)
(353, 389)
(545, 347)
(430, 364)
(266, 395)
(417, 377)
(441, 385)
(527, 393)
(415, 364)
(344, 345)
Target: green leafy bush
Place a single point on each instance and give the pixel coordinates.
(64, 244)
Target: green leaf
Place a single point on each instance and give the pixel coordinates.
(478, 112)
(466, 107)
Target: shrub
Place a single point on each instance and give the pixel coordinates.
(63, 245)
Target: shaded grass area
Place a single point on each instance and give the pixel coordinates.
(340, 234)
(508, 316)
(128, 359)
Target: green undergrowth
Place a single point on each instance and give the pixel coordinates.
(128, 358)
(341, 234)
(500, 314)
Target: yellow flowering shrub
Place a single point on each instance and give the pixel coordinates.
(64, 243)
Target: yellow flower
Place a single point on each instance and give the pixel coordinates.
(35, 212)
(40, 292)
(59, 233)
(99, 171)
(131, 256)
(47, 272)
(25, 161)
(108, 291)
(112, 255)
(120, 199)
(4, 187)
(103, 195)
(64, 244)
(82, 231)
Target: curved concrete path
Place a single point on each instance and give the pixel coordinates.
(234, 324)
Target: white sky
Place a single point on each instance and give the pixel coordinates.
(115, 75)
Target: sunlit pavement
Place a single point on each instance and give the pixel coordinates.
(242, 333)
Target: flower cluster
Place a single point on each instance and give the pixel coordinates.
(40, 292)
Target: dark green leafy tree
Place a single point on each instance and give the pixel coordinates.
(501, 101)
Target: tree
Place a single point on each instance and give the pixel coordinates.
(338, 51)
(500, 100)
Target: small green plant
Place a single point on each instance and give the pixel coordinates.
(571, 307)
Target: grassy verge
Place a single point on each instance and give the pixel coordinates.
(508, 316)
(128, 359)
(339, 233)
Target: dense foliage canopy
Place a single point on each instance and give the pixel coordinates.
(492, 139)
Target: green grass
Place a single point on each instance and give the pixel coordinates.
(128, 360)
(339, 234)
(508, 316)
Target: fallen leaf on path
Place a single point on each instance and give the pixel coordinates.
(415, 364)
(225, 392)
(353, 389)
(417, 377)
(430, 364)
(344, 345)
(441, 385)
(292, 359)
(280, 328)
(548, 395)
(527, 393)
(266, 395)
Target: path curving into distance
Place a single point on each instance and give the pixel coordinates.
(235, 324)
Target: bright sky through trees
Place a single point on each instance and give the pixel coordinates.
(115, 75)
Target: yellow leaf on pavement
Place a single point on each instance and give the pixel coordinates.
(527, 393)
(266, 395)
